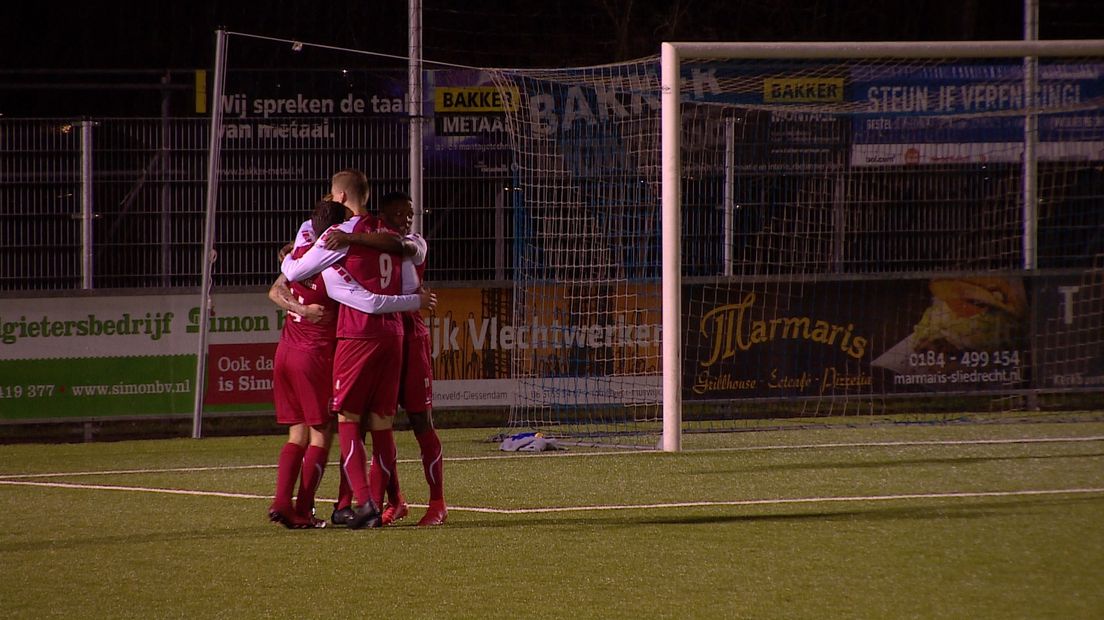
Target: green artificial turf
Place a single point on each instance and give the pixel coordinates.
(847, 549)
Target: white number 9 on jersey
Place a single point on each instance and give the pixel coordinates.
(385, 270)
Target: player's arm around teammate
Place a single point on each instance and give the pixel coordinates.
(302, 382)
(415, 383)
(284, 298)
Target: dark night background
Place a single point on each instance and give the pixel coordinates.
(178, 35)
(46, 44)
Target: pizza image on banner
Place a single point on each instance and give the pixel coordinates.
(973, 333)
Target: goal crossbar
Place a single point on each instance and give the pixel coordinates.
(886, 49)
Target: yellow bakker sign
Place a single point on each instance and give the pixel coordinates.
(474, 99)
(802, 90)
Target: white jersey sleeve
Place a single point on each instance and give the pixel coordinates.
(316, 258)
(420, 245)
(352, 294)
(410, 279)
(305, 234)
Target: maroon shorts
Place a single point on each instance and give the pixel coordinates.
(366, 375)
(416, 392)
(301, 386)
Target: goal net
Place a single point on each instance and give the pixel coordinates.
(807, 234)
(587, 253)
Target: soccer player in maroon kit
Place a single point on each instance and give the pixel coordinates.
(365, 374)
(366, 377)
(416, 398)
(302, 380)
(416, 385)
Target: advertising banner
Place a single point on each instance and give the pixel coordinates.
(856, 337)
(95, 356)
(1069, 323)
(281, 112)
(300, 104)
(98, 356)
(75, 357)
(972, 113)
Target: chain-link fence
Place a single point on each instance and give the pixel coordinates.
(120, 203)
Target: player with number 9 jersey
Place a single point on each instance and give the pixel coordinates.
(366, 372)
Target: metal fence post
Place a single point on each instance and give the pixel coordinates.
(207, 254)
(86, 203)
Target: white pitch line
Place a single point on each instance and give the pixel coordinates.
(114, 487)
(897, 444)
(608, 507)
(807, 446)
(565, 454)
(791, 500)
(113, 472)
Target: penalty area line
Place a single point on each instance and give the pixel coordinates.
(778, 501)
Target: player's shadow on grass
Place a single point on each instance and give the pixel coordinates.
(944, 510)
(883, 513)
(879, 464)
(168, 536)
(724, 514)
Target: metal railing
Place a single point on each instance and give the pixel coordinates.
(119, 203)
(143, 187)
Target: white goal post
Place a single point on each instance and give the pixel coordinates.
(673, 57)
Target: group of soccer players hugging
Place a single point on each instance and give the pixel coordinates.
(354, 346)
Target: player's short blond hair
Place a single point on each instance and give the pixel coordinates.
(352, 182)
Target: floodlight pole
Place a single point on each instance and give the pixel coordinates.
(414, 111)
(213, 155)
